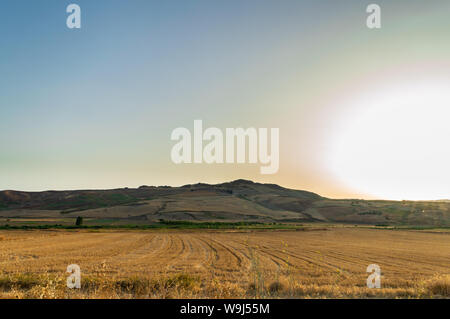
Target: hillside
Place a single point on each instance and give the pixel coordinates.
(240, 200)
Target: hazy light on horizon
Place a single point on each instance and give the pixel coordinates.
(396, 147)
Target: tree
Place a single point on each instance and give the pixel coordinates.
(79, 221)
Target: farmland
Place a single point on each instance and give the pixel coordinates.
(324, 262)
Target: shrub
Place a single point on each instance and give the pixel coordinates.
(276, 287)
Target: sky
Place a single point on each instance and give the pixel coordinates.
(361, 112)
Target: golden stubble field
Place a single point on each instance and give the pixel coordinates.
(317, 263)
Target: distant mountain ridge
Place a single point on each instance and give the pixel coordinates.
(71, 198)
(239, 200)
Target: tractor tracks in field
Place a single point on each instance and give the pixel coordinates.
(222, 257)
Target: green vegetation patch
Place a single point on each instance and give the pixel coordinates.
(374, 212)
(162, 224)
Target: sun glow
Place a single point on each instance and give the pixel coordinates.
(394, 143)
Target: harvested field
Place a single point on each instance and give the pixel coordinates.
(219, 264)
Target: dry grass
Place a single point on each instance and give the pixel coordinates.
(439, 285)
(225, 264)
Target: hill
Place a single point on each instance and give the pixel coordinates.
(239, 200)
